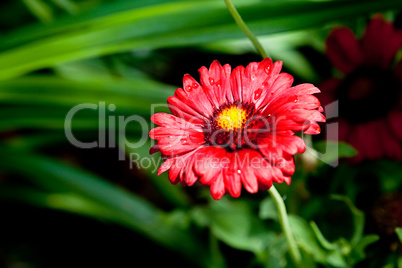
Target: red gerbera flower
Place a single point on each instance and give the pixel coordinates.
(369, 92)
(236, 127)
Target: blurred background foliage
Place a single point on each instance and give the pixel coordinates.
(62, 206)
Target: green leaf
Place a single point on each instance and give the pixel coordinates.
(38, 8)
(44, 102)
(331, 151)
(308, 241)
(127, 25)
(320, 237)
(398, 231)
(268, 210)
(131, 210)
(68, 202)
(306, 238)
(358, 253)
(388, 170)
(217, 258)
(358, 219)
(281, 46)
(149, 164)
(234, 223)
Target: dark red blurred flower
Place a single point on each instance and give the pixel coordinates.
(387, 213)
(236, 127)
(369, 91)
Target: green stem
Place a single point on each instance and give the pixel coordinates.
(283, 219)
(239, 21)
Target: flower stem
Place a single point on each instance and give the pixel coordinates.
(239, 21)
(283, 219)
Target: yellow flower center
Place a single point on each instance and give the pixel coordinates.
(232, 118)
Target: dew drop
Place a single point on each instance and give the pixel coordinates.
(265, 84)
(257, 94)
(189, 88)
(293, 99)
(184, 141)
(211, 81)
(253, 77)
(267, 69)
(239, 171)
(195, 85)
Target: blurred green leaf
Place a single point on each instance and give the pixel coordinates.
(388, 170)
(127, 25)
(320, 237)
(306, 239)
(69, 202)
(330, 151)
(128, 209)
(39, 9)
(275, 256)
(149, 164)
(44, 101)
(398, 231)
(358, 251)
(67, 5)
(358, 219)
(217, 258)
(268, 210)
(282, 46)
(234, 223)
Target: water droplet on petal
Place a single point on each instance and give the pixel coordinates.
(184, 141)
(253, 77)
(239, 171)
(211, 81)
(189, 88)
(267, 69)
(195, 85)
(265, 84)
(293, 99)
(257, 94)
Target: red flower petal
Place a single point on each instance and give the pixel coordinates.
(390, 143)
(154, 149)
(218, 187)
(231, 176)
(380, 43)
(398, 71)
(182, 110)
(216, 83)
(247, 158)
(166, 165)
(343, 50)
(395, 122)
(195, 96)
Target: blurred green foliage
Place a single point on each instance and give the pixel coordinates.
(57, 54)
